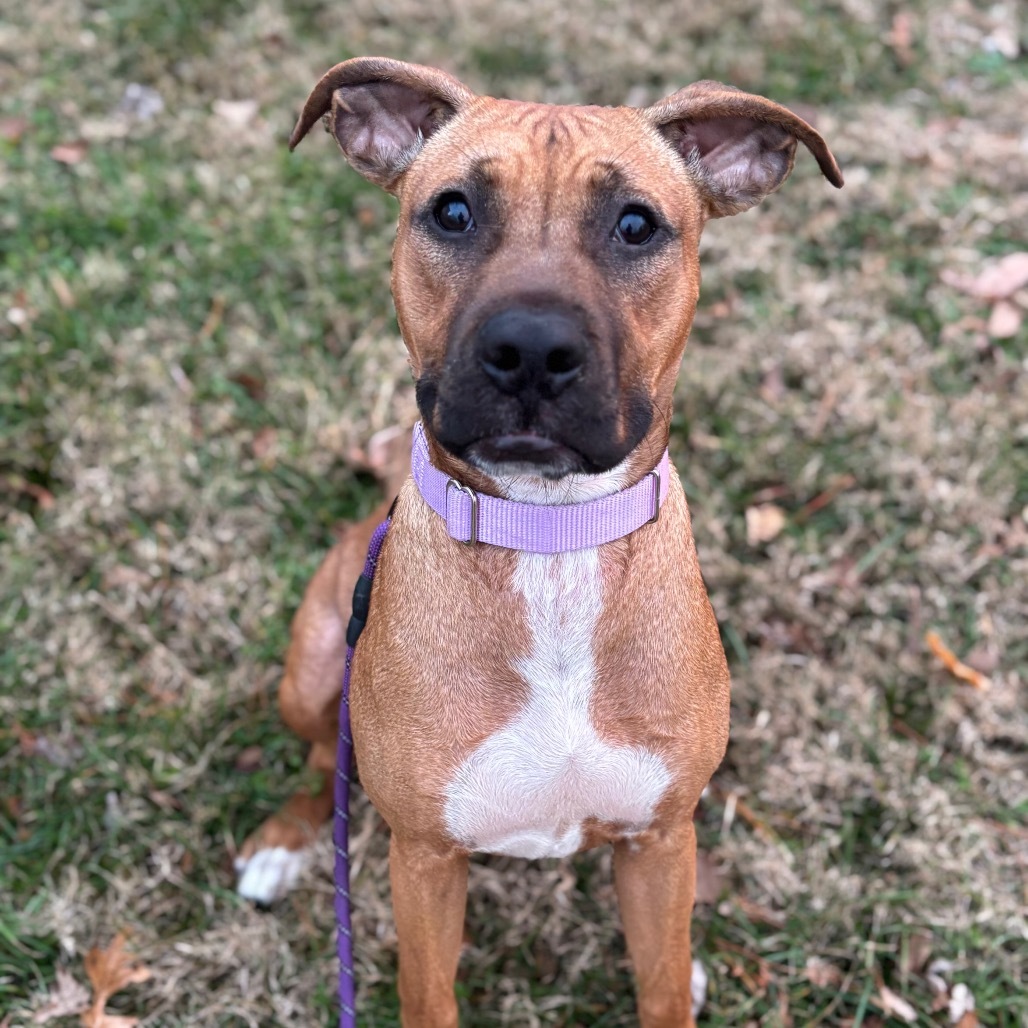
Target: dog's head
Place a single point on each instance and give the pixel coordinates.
(545, 271)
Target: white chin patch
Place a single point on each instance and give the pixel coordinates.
(699, 987)
(269, 874)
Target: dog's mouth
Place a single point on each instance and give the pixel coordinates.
(525, 453)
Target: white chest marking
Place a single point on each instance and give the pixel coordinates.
(527, 789)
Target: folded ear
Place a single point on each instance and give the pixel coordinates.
(739, 146)
(381, 112)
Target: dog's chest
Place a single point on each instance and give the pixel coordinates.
(529, 788)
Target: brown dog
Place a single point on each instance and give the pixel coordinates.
(545, 275)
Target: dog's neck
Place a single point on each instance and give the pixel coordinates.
(537, 516)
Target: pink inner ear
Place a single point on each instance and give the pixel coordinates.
(380, 122)
(742, 154)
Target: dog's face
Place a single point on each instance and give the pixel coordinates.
(545, 279)
(545, 271)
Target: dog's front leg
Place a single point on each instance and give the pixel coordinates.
(656, 885)
(429, 896)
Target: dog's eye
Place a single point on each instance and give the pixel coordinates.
(453, 214)
(634, 227)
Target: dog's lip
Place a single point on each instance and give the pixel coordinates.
(524, 448)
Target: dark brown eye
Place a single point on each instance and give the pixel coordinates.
(635, 228)
(453, 214)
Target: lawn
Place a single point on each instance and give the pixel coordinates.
(196, 336)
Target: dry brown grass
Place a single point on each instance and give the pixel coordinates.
(144, 610)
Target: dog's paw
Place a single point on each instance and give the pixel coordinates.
(699, 986)
(267, 875)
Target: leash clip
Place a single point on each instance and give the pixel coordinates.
(473, 496)
(655, 475)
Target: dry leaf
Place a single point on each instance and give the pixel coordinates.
(998, 282)
(141, 102)
(65, 297)
(249, 759)
(919, 949)
(238, 113)
(895, 1006)
(953, 664)
(264, 441)
(67, 997)
(763, 523)
(822, 973)
(12, 129)
(902, 37)
(213, 320)
(110, 970)
(70, 153)
(33, 490)
(968, 1020)
(1004, 320)
(961, 1004)
(709, 883)
(254, 385)
(33, 745)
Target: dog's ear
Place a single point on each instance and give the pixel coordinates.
(739, 146)
(381, 112)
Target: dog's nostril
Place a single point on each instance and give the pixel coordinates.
(506, 358)
(560, 361)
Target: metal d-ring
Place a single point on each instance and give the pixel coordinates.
(473, 496)
(655, 475)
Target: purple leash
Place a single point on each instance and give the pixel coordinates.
(344, 761)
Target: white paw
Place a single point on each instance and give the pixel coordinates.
(269, 874)
(699, 986)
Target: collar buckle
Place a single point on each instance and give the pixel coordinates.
(473, 496)
(655, 475)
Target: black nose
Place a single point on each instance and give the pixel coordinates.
(523, 350)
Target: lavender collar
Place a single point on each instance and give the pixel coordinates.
(536, 527)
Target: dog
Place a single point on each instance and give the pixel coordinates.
(524, 687)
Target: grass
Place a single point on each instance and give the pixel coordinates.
(196, 332)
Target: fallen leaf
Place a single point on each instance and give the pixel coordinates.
(936, 977)
(953, 664)
(33, 490)
(123, 576)
(110, 970)
(968, 1020)
(70, 153)
(763, 523)
(164, 800)
(759, 914)
(823, 974)
(901, 37)
(997, 282)
(837, 486)
(918, 950)
(255, 386)
(709, 883)
(141, 102)
(67, 997)
(772, 385)
(961, 1004)
(214, 316)
(238, 113)
(1004, 320)
(249, 759)
(12, 129)
(65, 297)
(895, 1006)
(263, 443)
